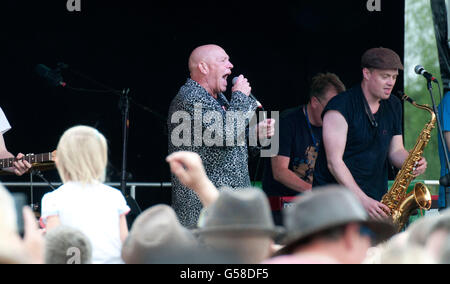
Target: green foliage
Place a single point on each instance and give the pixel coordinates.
(420, 48)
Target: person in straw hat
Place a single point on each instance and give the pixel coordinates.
(329, 226)
(238, 222)
(157, 237)
(156, 234)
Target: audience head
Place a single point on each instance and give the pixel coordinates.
(9, 239)
(419, 231)
(332, 221)
(438, 240)
(239, 222)
(157, 237)
(14, 248)
(398, 250)
(66, 245)
(8, 216)
(82, 155)
(394, 254)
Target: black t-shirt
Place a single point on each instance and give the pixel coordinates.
(367, 148)
(297, 143)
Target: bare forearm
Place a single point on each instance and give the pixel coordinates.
(291, 180)
(123, 227)
(344, 177)
(207, 192)
(398, 158)
(5, 154)
(10, 169)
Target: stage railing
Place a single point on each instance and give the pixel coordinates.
(30, 186)
(432, 184)
(134, 185)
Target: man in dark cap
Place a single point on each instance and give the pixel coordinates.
(362, 131)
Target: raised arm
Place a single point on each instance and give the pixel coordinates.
(188, 168)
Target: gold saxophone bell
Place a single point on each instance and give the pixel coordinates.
(422, 196)
(400, 204)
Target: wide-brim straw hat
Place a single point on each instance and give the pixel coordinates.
(155, 234)
(326, 208)
(242, 211)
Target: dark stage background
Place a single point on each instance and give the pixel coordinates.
(144, 46)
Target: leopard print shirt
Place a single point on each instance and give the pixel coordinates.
(224, 165)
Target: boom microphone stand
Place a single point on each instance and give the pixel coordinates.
(55, 78)
(444, 180)
(125, 107)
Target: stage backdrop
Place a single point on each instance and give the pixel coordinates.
(144, 46)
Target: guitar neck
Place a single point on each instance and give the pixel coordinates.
(32, 159)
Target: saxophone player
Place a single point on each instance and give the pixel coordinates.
(362, 131)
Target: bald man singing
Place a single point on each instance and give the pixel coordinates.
(202, 120)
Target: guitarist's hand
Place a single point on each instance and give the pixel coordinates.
(21, 166)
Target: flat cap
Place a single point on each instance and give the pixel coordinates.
(381, 58)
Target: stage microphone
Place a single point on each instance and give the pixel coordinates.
(421, 71)
(251, 96)
(53, 77)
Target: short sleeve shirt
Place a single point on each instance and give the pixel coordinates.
(444, 112)
(298, 142)
(367, 148)
(94, 209)
(4, 124)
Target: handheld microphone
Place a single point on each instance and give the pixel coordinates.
(53, 77)
(251, 96)
(421, 71)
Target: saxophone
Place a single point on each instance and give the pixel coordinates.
(401, 204)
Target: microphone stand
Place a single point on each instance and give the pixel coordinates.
(445, 180)
(125, 106)
(125, 109)
(41, 176)
(35, 207)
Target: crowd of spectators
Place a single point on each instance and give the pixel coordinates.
(84, 222)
